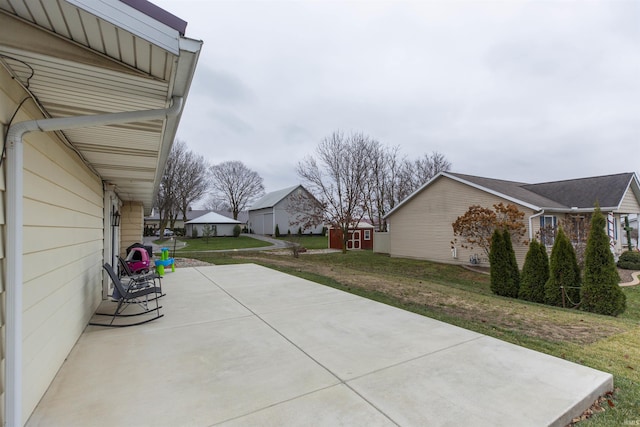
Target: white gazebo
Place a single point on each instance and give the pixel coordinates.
(220, 225)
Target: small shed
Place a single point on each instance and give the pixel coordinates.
(360, 237)
(220, 225)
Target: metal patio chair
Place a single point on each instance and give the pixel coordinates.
(138, 295)
(139, 279)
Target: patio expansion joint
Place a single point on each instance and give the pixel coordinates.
(422, 356)
(339, 380)
(292, 399)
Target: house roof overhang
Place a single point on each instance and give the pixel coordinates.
(88, 57)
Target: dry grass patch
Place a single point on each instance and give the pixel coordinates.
(532, 320)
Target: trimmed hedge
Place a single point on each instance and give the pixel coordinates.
(629, 260)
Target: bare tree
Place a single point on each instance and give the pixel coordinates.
(414, 174)
(192, 180)
(392, 178)
(382, 182)
(305, 211)
(166, 200)
(213, 203)
(184, 181)
(236, 185)
(337, 176)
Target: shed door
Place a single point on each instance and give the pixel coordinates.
(354, 240)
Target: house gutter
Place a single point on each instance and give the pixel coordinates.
(14, 250)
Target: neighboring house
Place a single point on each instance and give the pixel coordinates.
(360, 237)
(91, 94)
(278, 208)
(243, 216)
(219, 225)
(153, 221)
(421, 225)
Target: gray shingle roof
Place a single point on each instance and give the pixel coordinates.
(607, 190)
(513, 189)
(581, 193)
(269, 200)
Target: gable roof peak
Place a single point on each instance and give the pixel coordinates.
(269, 200)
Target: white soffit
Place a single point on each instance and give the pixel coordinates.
(109, 27)
(86, 57)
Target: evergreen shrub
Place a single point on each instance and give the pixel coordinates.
(535, 273)
(504, 277)
(564, 273)
(629, 260)
(601, 293)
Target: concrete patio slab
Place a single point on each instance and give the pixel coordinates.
(354, 337)
(484, 382)
(265, 293)
(246, 345)
(334, 406)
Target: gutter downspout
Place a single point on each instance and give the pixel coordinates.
(531, 224)
(14, 162)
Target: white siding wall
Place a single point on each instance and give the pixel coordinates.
(131, 224)
(63, 240)
(422, 228)
(284, 218)
(382, 242)
(629, 204)
(261, 221)
(221, 229)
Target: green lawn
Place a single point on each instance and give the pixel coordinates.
(461, 297)
(215, 243)
(309, 242)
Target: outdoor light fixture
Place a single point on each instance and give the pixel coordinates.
(115, 218)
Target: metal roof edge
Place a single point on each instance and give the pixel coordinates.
(291, 190)
(185, 69)
(134, 21)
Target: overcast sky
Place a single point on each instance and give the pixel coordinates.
(521, 90)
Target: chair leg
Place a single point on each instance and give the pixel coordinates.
(122, 305)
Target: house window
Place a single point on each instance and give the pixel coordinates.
(367, 234)
(548, 225)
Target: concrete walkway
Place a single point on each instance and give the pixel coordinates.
(270, 244)
(243, 345)
(635, 279)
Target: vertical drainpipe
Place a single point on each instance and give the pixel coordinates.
(531, 223)
(13, 288)
(107, 247)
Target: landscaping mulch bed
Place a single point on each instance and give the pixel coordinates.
(625, 275)
(190, 262)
